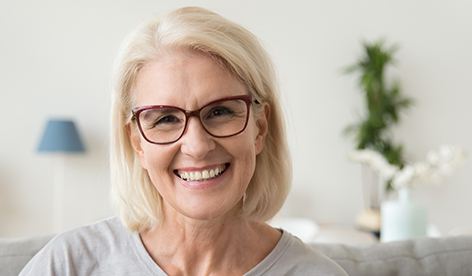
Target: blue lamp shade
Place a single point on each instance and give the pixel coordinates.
(61, 136)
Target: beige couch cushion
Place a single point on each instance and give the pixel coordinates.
(14, 254)
(441, 256)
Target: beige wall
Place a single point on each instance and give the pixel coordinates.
(56, 58)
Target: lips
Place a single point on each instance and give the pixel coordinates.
(201, 174)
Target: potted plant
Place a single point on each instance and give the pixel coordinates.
(383, 104)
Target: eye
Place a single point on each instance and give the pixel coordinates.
(219, 111)
(167, 119)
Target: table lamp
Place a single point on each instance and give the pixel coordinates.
(60, 137)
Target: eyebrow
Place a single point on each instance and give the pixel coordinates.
(252, 98)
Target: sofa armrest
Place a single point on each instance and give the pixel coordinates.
(15, 253)
(426, 256)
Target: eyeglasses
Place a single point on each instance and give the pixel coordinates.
(163, 124)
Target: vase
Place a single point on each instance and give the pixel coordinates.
(402, 218)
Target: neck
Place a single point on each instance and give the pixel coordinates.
(188, 246)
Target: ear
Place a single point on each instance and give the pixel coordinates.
(262, 123)
(135, 139)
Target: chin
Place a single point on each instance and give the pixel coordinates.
(208, 213)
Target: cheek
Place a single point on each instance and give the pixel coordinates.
(247, 169)
(253, 141)
(245, 151)
(250, 163)
(157, 159)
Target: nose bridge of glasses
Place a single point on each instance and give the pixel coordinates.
(196, 114)
(193, 113)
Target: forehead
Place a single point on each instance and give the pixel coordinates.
(184, 78)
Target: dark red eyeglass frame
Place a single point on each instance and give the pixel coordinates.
(248, 99)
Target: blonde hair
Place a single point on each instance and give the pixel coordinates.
(197, 29)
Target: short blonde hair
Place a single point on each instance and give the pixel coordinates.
(197, 29)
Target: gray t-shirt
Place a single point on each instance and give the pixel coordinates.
(108, 248)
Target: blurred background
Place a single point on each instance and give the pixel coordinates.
(56, 59)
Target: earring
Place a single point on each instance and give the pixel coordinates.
(244, 198)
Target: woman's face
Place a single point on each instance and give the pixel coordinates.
(190, 80)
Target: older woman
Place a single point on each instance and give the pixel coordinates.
(199, 162)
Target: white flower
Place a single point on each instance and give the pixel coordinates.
(438, 164)
(374, 160)
(404, 178)
(432, 157)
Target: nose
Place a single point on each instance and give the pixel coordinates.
(196, 142)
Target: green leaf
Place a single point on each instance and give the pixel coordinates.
(384, 103)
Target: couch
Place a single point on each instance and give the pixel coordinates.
(428, 256)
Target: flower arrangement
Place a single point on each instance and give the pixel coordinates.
(438, 164)
(375, 147)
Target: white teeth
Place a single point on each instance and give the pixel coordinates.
(201, 175)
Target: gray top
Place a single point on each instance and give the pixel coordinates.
(108, 248)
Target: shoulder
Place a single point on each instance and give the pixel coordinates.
(293, 257)
(104, 235)
(306, 258)
(84, 249)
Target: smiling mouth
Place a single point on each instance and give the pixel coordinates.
(202, 175)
